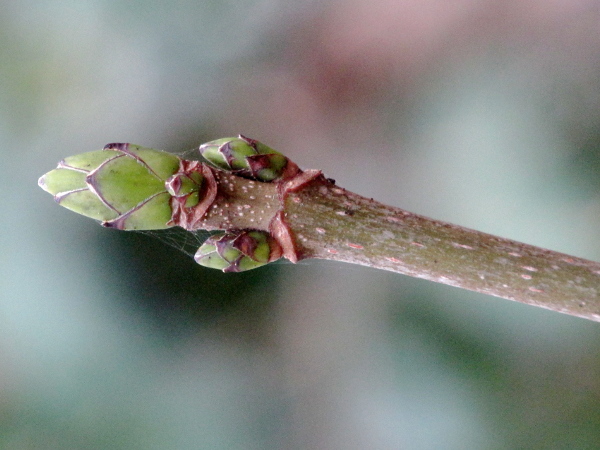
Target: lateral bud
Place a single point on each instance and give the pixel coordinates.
(248, 158)
(238, 251)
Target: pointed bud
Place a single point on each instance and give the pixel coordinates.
(248, 158)
(122, 185)
(238, 251)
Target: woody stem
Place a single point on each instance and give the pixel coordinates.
(329, 222)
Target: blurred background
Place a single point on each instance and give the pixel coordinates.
(482, 113)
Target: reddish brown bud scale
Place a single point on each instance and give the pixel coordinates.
(190, 217)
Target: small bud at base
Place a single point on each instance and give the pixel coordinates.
(237, 251)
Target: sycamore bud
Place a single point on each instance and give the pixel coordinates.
(246, 157)
(123, 185)
(238, 251)
(186, 186)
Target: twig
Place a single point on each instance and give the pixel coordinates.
(267, 208)
(332, 223)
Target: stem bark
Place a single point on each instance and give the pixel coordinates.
(329, 222)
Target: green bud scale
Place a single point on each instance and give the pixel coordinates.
(248, 158)
(122, 185)
(125, 186)
(238, 251)
(185, 186)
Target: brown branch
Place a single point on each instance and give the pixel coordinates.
(327, 222)
(332, 223)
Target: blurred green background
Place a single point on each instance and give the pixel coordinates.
(479, 112)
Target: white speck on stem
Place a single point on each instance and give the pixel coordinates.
(393, 219)
(466, 247)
